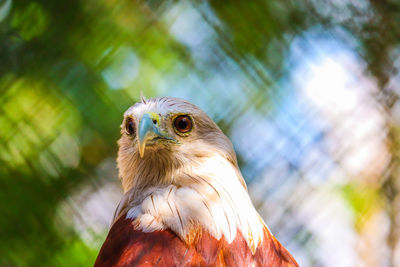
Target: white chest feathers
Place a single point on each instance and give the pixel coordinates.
(215, 200)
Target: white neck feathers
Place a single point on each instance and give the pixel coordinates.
(212, 197)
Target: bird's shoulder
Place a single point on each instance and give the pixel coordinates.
(127, 246)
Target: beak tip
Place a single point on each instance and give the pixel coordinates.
(141, 151)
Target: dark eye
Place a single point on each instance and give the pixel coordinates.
(183, 124)
(130, 126)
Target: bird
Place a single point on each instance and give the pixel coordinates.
(185, 201)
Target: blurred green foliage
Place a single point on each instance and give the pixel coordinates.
(364, 201)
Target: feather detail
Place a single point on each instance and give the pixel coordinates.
(214, 199)
(127, 246)
(143, 98)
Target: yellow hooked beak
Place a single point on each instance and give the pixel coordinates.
(149, 130)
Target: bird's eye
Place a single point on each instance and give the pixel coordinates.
(183, 124)
(130, 126)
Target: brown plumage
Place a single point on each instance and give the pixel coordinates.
(185, 201)
(126, 246)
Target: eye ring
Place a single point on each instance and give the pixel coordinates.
(183, 124)
(130, 126)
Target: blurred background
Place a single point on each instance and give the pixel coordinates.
(306, 90)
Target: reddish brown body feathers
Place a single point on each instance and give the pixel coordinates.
(126, 246)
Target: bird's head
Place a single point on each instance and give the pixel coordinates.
(163, 138)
